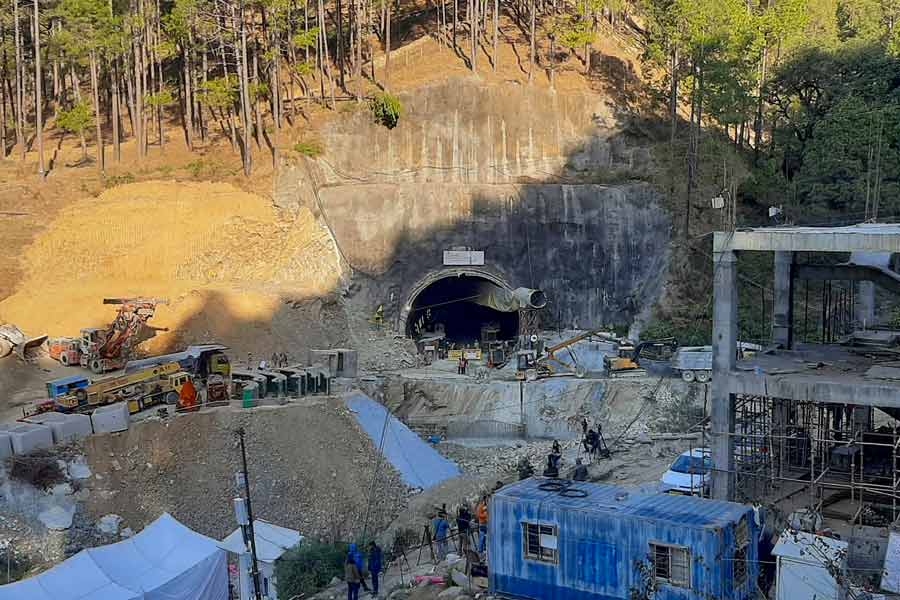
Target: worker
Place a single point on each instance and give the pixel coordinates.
(590, 442)
(441, 530)
(584, 426)
(461, 365)
(581, 472)
(352, 576)
(463, 525)
(187, 398)
(482, 523)
(555, 456)
(552, 468)
(357, 557)
(374, 565)
(525, 468)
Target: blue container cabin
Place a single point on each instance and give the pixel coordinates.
(607, 542)
(66, 385)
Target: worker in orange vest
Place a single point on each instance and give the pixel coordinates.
(482, 523)
(187, 399)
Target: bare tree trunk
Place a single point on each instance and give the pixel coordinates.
(245, 92)
(159, 80)
(20, 83)
(187, 101)
(138, 116)
(38, 99)
(496, 54)
(116, 110)
(257, 111)
(758, 123)
(673, 117)
(473, 31)
(4, 78)
(531, 35)
(101, 158)
(201, 115)
(455, 21)
(339, 42)
(387, 46)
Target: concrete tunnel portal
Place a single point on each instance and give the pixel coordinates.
(461, 304)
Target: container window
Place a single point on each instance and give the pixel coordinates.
(540, 542)
(671, 564)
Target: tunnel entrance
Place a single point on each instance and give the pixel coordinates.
(462, 307)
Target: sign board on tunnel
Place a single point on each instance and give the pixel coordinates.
(464, 258)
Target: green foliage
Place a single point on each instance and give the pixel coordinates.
(307, 569)
(304, 69)
(311, 148)
(306, 39)
(694, 331)
(160, 99)
(220, 93)
(258, 91)
(387, 109)
(123, 179)
(206, 169)
(77, 119)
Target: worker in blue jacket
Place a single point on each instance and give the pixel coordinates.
(374, 565)
(357, 557)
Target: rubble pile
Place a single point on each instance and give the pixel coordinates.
(310, 466)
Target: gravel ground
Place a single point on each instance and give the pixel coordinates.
(310, 469)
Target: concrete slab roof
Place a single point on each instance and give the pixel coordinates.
(815, 373)
(863, 237)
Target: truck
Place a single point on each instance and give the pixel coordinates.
(207, 363)
(693, 363)
(140, 389)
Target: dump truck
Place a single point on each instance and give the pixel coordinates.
(693, 363)
(627, 363)
(140, 389)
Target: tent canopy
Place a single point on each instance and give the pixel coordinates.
(165, 561)
(271, 540)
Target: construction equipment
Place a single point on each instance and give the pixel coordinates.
(530, 366)
(627, 361)
(140, 389)
(693, 363)
(105, 349)
(65, 350)
(12, 338)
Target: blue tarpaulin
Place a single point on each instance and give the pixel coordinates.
(419, 464)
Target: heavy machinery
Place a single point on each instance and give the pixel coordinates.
(627, 362)
(12, 338)
(532, 364)
(106, 349)
(207, 363)
(140, 389)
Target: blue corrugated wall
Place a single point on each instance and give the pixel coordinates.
(599, 553)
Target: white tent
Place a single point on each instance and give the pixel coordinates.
(271, 542)
(165, 561)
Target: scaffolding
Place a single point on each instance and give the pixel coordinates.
(820, 455)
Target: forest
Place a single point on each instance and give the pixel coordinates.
(807, 90)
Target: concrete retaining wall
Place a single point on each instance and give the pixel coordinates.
(112, 418)
(5, 445)
(65, 428)
(28, 437)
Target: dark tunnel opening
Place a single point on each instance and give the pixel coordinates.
(456, 306)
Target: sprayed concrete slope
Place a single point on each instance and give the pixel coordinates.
(418, 463)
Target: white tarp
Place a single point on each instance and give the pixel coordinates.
(165, 561)
(806, 564)
(271, 540)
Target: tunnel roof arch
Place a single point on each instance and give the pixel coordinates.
(422, 284)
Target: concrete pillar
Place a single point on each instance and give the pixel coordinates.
(783, 305)
(725, 322)
(865, 304)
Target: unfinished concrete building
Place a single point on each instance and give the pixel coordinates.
(810, 421)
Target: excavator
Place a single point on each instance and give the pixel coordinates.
(107, 349)
(628, 361)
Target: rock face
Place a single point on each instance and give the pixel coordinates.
(462, 171)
